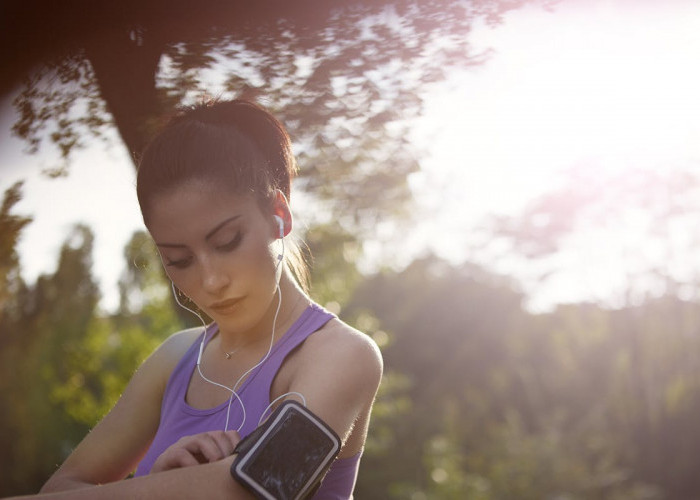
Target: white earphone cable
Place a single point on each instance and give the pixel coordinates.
(232, 389)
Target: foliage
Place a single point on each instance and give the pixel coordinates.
(506, 404)
(11, 227)
(47, 326)
(12, 298)
(345, 77)
(481, 399)
(332, 255)
(63, 365)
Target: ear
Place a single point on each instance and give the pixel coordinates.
(280, 208)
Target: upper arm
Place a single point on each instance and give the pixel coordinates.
(112, 449)
(338, 375)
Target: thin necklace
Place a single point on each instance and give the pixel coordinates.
(230, 353)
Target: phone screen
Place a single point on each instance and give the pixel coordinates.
(289, 456)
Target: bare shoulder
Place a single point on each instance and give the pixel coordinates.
(342, 349)
(166, 356)
(177, 344)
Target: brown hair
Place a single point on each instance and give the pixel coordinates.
(229, 143)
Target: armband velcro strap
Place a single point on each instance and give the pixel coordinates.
(287, 456)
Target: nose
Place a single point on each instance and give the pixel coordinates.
(214, 278)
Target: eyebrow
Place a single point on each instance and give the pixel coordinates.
(208, 235)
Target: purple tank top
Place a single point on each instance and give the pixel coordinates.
(178, 419)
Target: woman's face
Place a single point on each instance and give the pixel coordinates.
(217, 248)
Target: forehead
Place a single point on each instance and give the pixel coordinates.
(191, 210)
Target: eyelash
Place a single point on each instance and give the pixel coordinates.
(233, 244)
(226, 247)
(182, 263)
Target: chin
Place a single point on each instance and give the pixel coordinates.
(239, 322)
(244, 315)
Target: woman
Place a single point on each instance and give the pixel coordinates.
(214, 190)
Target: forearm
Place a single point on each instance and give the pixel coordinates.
(211, 481)
(61, 483)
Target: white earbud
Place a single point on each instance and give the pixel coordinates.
(280, 225)
(232, 389)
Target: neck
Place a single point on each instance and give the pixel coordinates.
(290, 299)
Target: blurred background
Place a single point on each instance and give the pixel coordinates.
(504, 194)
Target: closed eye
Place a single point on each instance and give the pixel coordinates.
(233, 244)
(181, 263)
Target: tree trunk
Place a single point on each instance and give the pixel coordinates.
(125, 64)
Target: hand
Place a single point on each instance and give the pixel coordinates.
(197, 449)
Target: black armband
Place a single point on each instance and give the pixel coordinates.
(286, 457)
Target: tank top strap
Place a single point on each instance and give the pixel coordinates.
(312, 319)
(179, 379)
(255, 391)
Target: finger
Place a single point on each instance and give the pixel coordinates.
(173, 458)
(234, 438)
(206, 445)
(182, 458)
(226, 441)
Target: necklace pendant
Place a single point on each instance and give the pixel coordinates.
(228, 355)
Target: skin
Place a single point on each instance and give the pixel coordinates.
(217, 246)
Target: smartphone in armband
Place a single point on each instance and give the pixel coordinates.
(287, 456)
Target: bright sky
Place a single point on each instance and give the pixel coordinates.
(611, 83)
(606, 84)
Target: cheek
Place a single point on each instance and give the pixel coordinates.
(181, 278)
(170, 276)
(257, 265)
(260, 259)
(168, 269)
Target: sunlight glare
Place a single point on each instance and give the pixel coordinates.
(611, 84)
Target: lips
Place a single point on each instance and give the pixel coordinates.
(224, 306)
